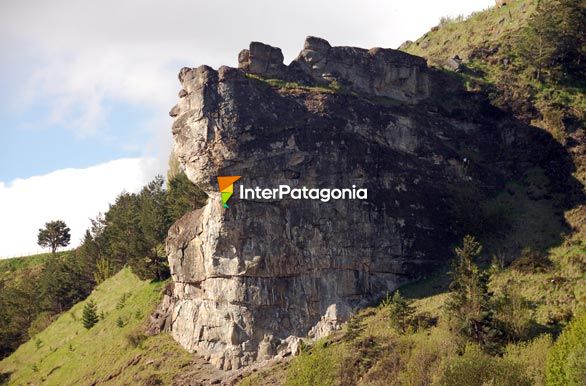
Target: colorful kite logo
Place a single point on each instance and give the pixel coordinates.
(226, 184)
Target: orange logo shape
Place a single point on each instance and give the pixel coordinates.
(226, 184)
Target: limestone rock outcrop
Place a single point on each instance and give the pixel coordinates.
(251, 279)
(379, 72)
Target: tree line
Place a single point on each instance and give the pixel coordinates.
(131, 233)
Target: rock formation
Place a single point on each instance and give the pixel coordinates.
(251, 279)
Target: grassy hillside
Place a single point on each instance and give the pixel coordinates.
(114, 351)
(14, 267)
(537, 262)
(369, 351)
(491, 45)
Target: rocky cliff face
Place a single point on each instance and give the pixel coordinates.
(251, 278)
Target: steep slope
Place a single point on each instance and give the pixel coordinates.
(370, 351)
(488, 50)
(114, 351)
(253, 278)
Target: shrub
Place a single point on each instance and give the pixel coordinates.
(531, 356)
(400, 312)
(353, 328)
(531, 261)
(135, 338)
(475, 368)
(566, 362)
(316, 367)
(41, 322)
(515, 314)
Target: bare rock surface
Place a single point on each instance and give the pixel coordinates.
(251, 280)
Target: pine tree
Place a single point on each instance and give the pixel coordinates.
(183, 196)
(469, 305)
(400, 312)
(90, 314)
(554, 43)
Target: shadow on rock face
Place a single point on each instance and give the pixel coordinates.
(437, 163)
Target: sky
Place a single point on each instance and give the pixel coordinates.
(86, 86)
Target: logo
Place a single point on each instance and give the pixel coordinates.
(226, 184)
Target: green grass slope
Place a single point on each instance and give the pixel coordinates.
(371, 352)
(10, 268)
(489, 44)
(114, 351)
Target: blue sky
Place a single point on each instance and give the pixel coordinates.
(86, 86)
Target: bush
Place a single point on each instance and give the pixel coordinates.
(531, 356)
(566, 362)
(515, 314)
(316, 367)
(135, 338)
(531, 261)
(475, 368)
(41, 322)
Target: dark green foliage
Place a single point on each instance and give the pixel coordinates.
(353, 328)
(183, 196)
(400, 312)
(65, 281)
(120, 322)
(469, 306)
(55, 234)
(135, 228)
(90, 314)
(132, 232)
(554, 42)
(19, 304)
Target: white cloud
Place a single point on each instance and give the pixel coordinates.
(77, 59)
(88, 52)
(71, 195)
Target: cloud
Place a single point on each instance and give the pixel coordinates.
(74, 64)
(71, 195)
(89, 53)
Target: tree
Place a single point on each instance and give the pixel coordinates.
(154, 221)
(400, 312)
(469, 306)
(64, 282)
(183, 196)
(554, 42)
(54, 235)
(90, 314)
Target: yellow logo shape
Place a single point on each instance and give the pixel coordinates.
(226, 184)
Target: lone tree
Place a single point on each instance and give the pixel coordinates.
(400, 312)
(55, 234)
(469, 304)
(90, 314)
